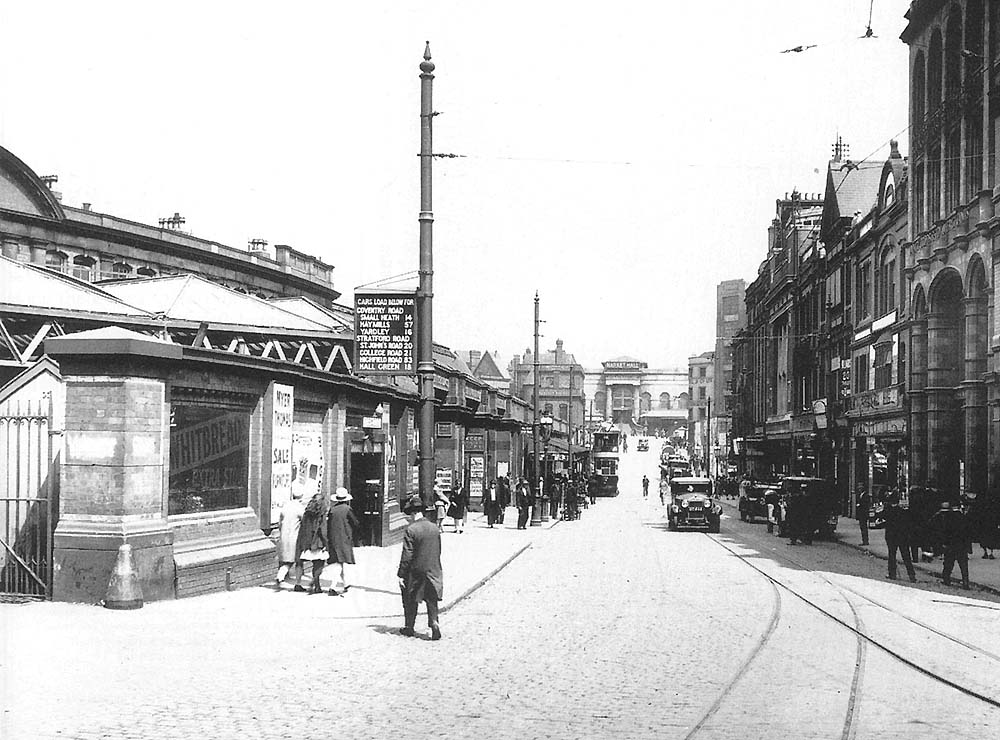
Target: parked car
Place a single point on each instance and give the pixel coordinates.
(753, 503)
(692, 505)
(643, 445)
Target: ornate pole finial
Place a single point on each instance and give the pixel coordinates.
(427, 66)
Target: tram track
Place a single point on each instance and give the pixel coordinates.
(764, 638)
(863, 634)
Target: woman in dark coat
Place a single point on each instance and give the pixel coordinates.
(459, 506)
(340, 527)
(312, 541)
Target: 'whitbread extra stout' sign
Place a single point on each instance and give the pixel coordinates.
(385, 340)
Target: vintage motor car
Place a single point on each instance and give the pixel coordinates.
(643, 445)
(811, 508)
(753, 503)
(692, 505)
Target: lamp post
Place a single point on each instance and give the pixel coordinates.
(425, 337)
(545, 430)
(536, 517)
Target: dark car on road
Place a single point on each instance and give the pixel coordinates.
(753, 500)
(811, 508)
(692, 505)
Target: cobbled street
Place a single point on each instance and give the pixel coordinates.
(608, 627)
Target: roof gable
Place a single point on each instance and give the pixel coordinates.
(21, 189)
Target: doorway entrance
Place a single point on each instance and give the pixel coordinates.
(367, 502)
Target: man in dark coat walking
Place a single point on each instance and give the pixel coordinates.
(951, 530)
(420, 574)
(898, 535)
(341, 524)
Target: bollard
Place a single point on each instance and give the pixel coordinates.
(124, 591)
(229, 579)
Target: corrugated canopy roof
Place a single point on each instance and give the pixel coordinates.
(309, 309)
(36, 287)
(193, 298)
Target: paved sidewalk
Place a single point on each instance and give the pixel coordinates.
(983, 574)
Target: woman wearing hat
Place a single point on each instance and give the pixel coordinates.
(341, 525)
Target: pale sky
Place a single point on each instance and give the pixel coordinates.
(622, 158)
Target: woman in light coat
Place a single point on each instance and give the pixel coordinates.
(288, 534)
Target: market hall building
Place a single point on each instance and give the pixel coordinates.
(184, 411)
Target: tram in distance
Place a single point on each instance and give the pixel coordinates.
(604, 457)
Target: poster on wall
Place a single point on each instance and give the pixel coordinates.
(443, 480)
(307, 464)
(477, 472)
(283, 409)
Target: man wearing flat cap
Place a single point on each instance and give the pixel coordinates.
(420, 575)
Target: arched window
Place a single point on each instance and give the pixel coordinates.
(888, 276)
(972, 86)
(121, 270)
(146, 271)
(56, 260)
(953, 128)
(664, 400)
(645, 402)
(917, 90)
(83, 267)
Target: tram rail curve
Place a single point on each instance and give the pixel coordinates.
(863, 634)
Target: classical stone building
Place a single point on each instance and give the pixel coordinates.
(951, 241)
(626, 391)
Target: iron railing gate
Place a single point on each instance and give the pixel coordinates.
(29, 484)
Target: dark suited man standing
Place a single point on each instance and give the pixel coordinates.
(420, 575)
(862, 507)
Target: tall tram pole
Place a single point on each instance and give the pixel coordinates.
(425, 293)
(536, 509)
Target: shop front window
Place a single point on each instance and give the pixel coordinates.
(209, 459)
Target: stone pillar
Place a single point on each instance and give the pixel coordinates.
(918, 402)
(112, 487)
(942, 439)
(975, 417)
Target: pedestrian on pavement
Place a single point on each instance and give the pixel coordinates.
(491, 505)
(798, 519)
(503, 489)
(289, 523)
(341, 524)
(420, 575)
(645, 486)
(898, 535)
(555, 491)
(952, 532)
(441, 503)
(772, 499)
(312, 542)
(522, 499)
(458, 508)
(984, 519)
(592, 485)
(862, 509)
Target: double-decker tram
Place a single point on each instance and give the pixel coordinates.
(604, 457)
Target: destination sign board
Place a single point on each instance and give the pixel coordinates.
(384, 333)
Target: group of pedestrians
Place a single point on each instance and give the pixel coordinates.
(934, 524)
(320, 532)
